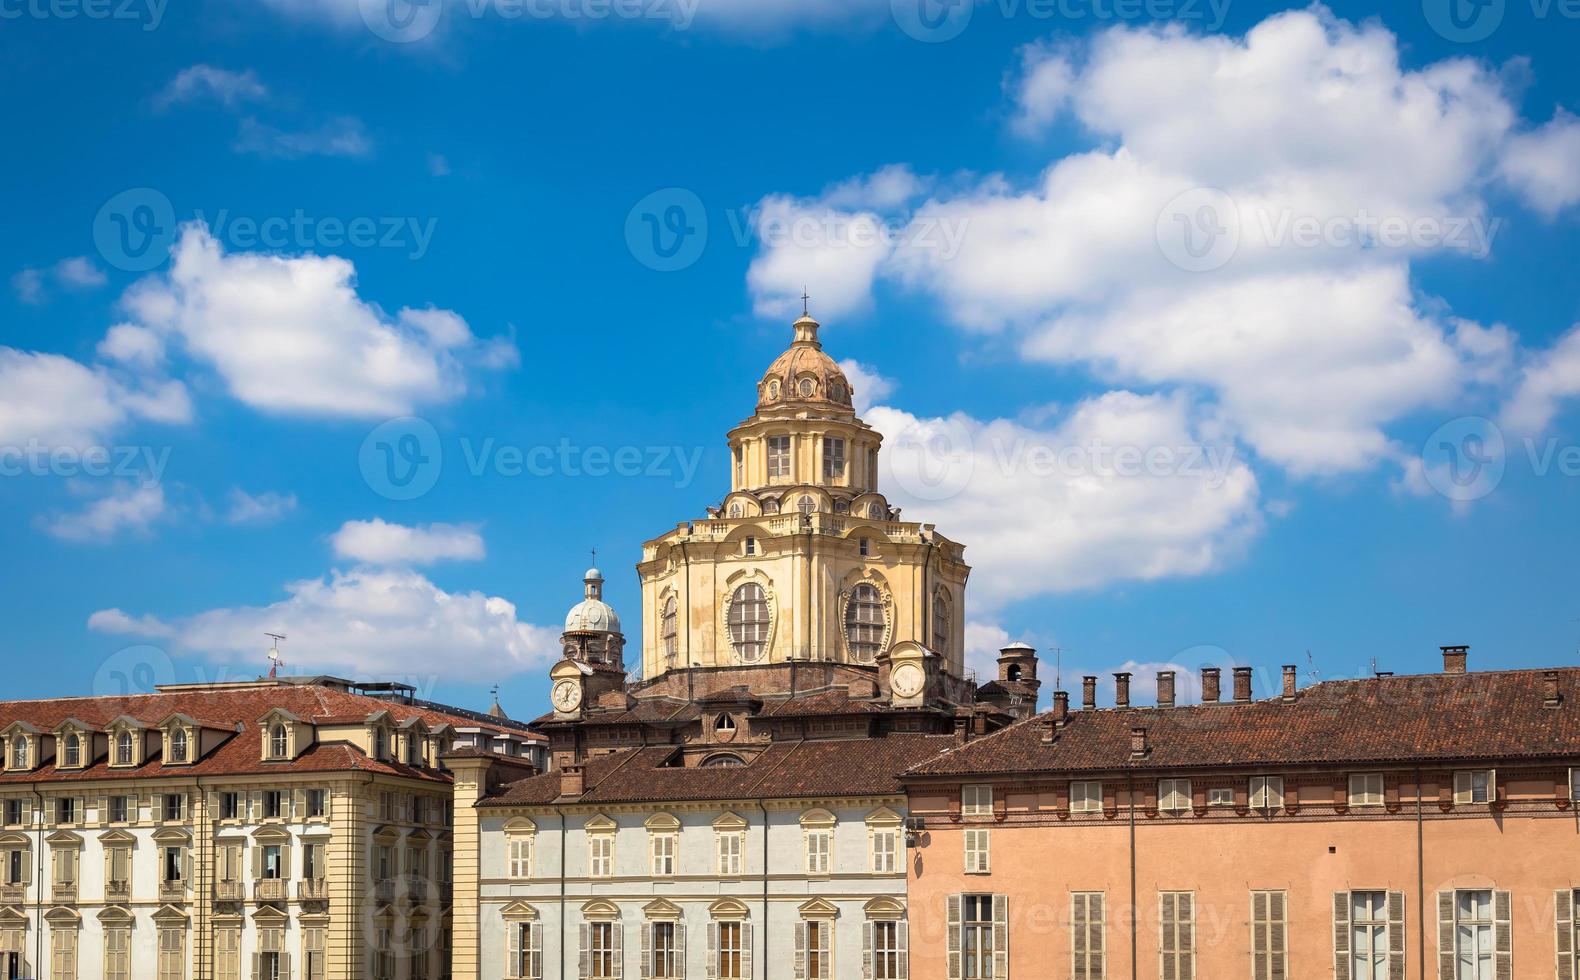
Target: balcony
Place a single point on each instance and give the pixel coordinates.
(230, 891)
(13, 894)
(312, 890)
(172, 891)
(64, 891)
(117, 890)
(270, 889)
(416, 891)
(384, 891)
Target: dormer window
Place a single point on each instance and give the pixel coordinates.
(413, 757)
(725, 725)
(178, 745)
(380, 746)
(71, 753)
(123, 748)
(19, 752)
(279, 742)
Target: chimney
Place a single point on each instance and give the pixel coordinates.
(1289, 682)
(1138, 743)
(1211, 682)
(1165, 688)
(573, 780)
(1122, 690)
(1454, 659)
(962, 730)
(1089, 692)
(1242, 684)
(1061, 707)
(1551, 698)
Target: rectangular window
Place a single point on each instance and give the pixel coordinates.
(1269, 935)
(778, 456)
(63, 954)
(13, 813)
(66, 809)
(1086, 796)
(865, 548)
(120, 809)
(66, 866)
(1177, 934)
(227, 950)
(1220, 796)
(977, 851)
(525, 957)
(815, 947)
(15, 868)
(976, 937)
(665, 956)
(1267, 793)
(520, 849)
(833, 458)
(118, 865)
(888, 950)
(172, 954)
(751, 546)
(1473, 935)
(1574, 787)
(1366, 789)
(117, 953)
(315, 965)
(171, 864)
(228, 857)
(600, 850)
(273, 803)
(318, 803)
(818, 845)
(230, 806)
(601, 949)
(885, 850)
(730, 853)
(272, 858)
(976, 801)
(663, 855)
(1368, 935)
(729, 951)
(1474, 786)
(1173, 795)
(172, 806)
(1087, 942)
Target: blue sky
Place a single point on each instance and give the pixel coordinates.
(1313, 266)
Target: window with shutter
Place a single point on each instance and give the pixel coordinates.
(1473, 786)
(1473, 944)
(1366, 789)
(978, 844)
(818, 845)
(1568, 935)
(1177, 935)
(1269, 936)
(885, 850)
(520, 851)
(976, 801)
(1267, 793)
(1086, 935)
(729, 853)
(227, 954)
(1360, 935)
(63, 953)
(1174, 795)
(117, 953)
(1086, 796)
(172, 953)
(1001, 936)
(978, 930)
(954, 935)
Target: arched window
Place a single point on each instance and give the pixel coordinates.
(73, 750)
(864, 623)
(749, 621)
(770, 507)
(123, 748)
(1013, 673)
(280, 742)
(669, 629)
(724, 725)
(722, 761)
(735, 509)
(773, 390)
(378, 744)
(19, 752)
(806, 504)
(178, 745)
(941, 624)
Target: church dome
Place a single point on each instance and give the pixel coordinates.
(804, 376)
(592, 614)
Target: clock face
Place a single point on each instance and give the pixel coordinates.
(906, 680)
(567, 695)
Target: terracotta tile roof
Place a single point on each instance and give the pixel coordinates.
(784, 770)
(832, 702)
(1428, 717)
(227, 709)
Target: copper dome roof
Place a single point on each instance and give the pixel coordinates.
(804, 375)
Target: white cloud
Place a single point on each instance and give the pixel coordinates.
(1547, 379)
(127, 507)
(263, 508)
(364, 623)
(1544, 165)
(29, 285)
(1125, 487)
(376, 542)
(343, 136)
(289, 334)
(438, 165)
(128, 343)
(229, 88)
(867, 386)
(983, 642)
(1042, 90)
(79, 271)
(56, 401)
(808, 242)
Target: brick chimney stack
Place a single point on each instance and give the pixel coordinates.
(1138, 743)
(1165, 688)
(1551, 696)
(1057, 718)
(1242, 684)
(1089, 692)
(1290, 683)
(1454, 659)
(1122, 689)
(1211, 684)
(573, 780)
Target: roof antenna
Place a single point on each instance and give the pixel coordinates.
(275, 663)
(1313, 673)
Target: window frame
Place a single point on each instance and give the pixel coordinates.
(1467, 779)
(1173, 800)
(972, 803)
(978, 850)
(1086, 804)
(1265, 791)
(1363, 797)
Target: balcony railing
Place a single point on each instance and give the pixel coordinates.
(312, 890)
(64, 891)
(384, 890)
(270, 889)
(230, 891)
(172, 891)
(13, 894)
(117, 890)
